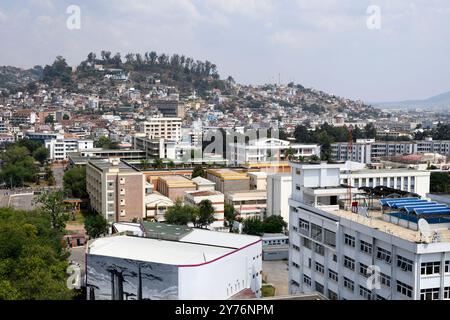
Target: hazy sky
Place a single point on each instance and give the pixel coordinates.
(323, 44)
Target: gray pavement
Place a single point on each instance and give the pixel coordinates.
(277, 274)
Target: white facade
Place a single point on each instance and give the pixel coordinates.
(279, 189)
(332, 249)
(414, 181)
(217, 200)
(58, 149)
(167, 128)
(204, 265)
(267, 150)
(366, 151)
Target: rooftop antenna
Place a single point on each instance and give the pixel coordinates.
(425, 230)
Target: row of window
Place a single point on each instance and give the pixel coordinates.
(433, 293)
(428, 268)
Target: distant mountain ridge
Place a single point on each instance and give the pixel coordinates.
(440, 101)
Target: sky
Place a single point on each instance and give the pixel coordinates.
(323, 44)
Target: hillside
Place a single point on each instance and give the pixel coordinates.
(438, 101)
(14, 78)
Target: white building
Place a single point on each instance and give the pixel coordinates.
(217, 200)
(279, 188)
(413, 181)
(267, 150)
(166, 128)
(366, 150)
(333, 251)
(172, 263)
(59, 148)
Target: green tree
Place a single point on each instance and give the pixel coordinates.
(205, 214)
(171, 164)
(33, 262)
(18, 166)
(253, 226)
(52, 204)
(274, 224)
(106, 143)
(74, 182)
(439, 182)
(145, 164)
(41, 154)
(95, 225)
(49, 176)
(158, 163)
(198, 171)
(230, 214)
(49, 119)
(66, 117)
(180, 214)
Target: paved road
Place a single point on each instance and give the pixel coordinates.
(277, 274)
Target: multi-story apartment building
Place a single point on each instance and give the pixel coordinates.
(116, 190)
(59, 149)
(366, 253)
(365, 151)
(227, 180)
(42, 136)
(156, 148)
(217, 199)
(24, 117)
(170, 108)
(175, 186)
(166, 128)
(268, 150)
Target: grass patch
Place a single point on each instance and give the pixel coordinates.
(267, 291)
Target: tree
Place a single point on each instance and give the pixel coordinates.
(66, 117)
(49, 119)
(440, 182)
(49, 176)
(180, 214)
(106, 143)
(198, 171)
(41, 154)
(253, 226)
(145, 164)
(74, 182)
(205, 214)
(158, 163)
(52, 204)
(230, 214)
(33, 262)
(95, 225)
(274, 224)
(171, 164)
(18, 166)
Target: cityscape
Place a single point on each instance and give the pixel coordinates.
(130, 174)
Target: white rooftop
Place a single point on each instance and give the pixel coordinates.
(223, 239)
(157, 251)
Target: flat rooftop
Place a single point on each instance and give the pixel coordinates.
(177, 181)
(204, 193)
(104, 165)
(228, 174)
(158, 251)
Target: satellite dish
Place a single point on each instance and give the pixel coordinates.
(425, 230)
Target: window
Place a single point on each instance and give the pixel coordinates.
(349, 240)
(447, 266)
(333, 275)
(307, 243)
(319, 287)
(349, 263)
(363, 270)
(304, 226)
(365, 247)
(404, 289)
(316, 232)
(296, 248)
(384, 255)
(334, 258)
(295, 265)
(349, 284)
(329, 237)
(378, 297)
(332, 295)
(431, 267)
(429, 294)
(309, 263)
(446, 293)
(320, 268)
(319, 249)
(385, 280)
(365, 293)
(306, 280)
(404, 264)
